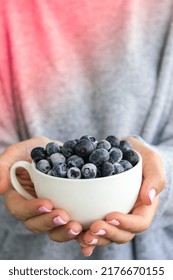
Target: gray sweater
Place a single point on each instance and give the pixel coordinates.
(69, 68)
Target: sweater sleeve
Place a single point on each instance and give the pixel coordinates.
(8, 129)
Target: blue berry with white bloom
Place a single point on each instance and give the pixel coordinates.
(107, 169)
(84, 148)
(60, 170)
(68, 148)
(75, 161)
(118, 168)
(74, 173)
(126, 164)
(57, 158)
(52, 148)
(89, 171)
(115, 155)
(43, 165)
(99, 156)
(104, 144)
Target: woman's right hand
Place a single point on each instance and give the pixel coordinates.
(37, 214)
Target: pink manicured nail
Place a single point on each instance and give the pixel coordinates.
(93, 242)
(72, 233)
(152, 194)
(100, 232)
(43, 209)
(58, 221)
(113, 222)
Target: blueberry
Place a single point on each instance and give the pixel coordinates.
(124, 146)
(57, 158)
(99, 156)
(91, 138)
(84, 148)
(89, 171)
(75, 161)
(52, 148)
(107, 169)
(113, 140)
(104, 144)
(131, 156)
(88, 137)
(38, 153)
(74, 173)
(68, 148)
(118, 168)
(50, 172)
(126, 164)
(43, 165)
(60, 170)
(115, 155)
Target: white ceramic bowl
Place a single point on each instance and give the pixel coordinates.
(85, 200)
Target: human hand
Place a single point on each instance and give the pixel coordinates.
(37, 215)
(121, 228)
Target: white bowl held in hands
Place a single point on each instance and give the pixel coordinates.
(85, 200)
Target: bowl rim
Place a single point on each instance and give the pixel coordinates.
(90, 180)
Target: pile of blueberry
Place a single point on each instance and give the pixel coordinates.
(85, 158)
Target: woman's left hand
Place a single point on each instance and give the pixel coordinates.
(121, 228)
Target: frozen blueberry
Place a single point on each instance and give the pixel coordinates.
(43, 165)
(60, 170)
(124, 146)
(107, 169)
(75, 161)
(68, 148)
(115, 155)
(91, 138)
(50, 172)
(84, 148)
(38, 153)
(104, 144)
(89, 171)
(57, 158)
(118, 168)
(52, 148)
(113, 140)
(88, 137)
(131, 156)
(99, 156)
(74, 173)
(126, 164)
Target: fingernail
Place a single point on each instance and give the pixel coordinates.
(113, 222)
(72, 233)
(93, 242)
(58, 221)
(100, 232)
(152, 194)
(83, 245)
(43, 209)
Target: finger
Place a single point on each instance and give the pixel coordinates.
(47, 221)
(153, 172)
(137, 222)
(102, 233)
(22, 208)
(86, 250)
(65, 233)
(153, 178)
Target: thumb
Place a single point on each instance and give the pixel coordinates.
(16, 152)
